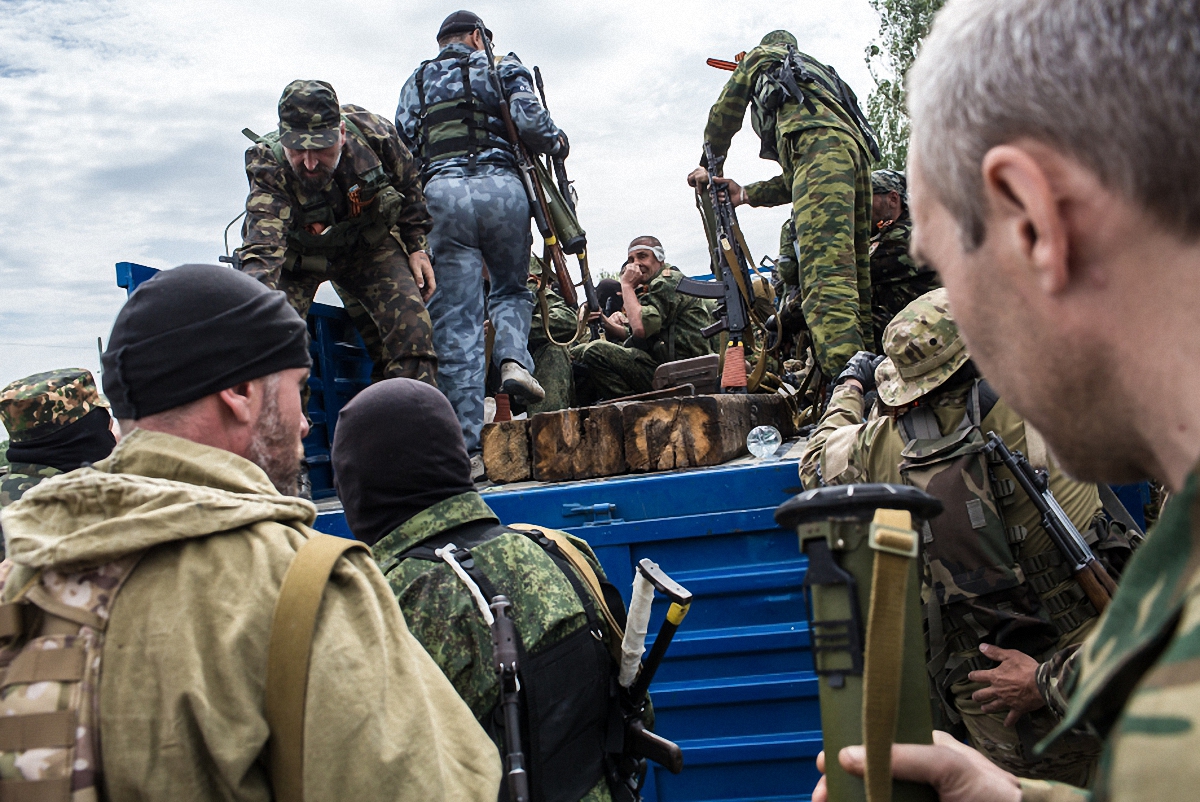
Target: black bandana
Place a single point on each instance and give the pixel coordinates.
(398, 450)
(194, 331)
(69, 447)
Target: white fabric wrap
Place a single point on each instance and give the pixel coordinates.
(634, 643)
(657, 250)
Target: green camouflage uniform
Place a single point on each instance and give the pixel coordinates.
(552, 363)
(1137, 680)
(672, 322)
(33, 407)
(826, 178)
(443, 616)
(896, 279)
(1019, 591)
(376, 215)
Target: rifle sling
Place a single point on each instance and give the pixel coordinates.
(288, 654)
(895, 544)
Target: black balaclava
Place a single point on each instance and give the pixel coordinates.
(66, 448)
(397, 450)
(194, 331)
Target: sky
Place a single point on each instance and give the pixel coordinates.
(120, 126)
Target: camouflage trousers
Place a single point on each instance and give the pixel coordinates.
(831, 215)
(613, 371)
(553, 370)
(479, 219)
(380, 281)
(1072, 759)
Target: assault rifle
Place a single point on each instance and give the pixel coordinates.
(1088, 571)
(504, 649)
(731, 264)
(533, 187)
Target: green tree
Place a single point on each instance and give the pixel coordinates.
(902, 26)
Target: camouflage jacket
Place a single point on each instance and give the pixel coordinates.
(443, 616)
(727, 114)
(276, 200)
(1056, 676)
(442, 81)
(17, 481)
(1137, 681)
(672, 321)
(896, 279)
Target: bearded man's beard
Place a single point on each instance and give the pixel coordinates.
(276, 448)
(315, 181)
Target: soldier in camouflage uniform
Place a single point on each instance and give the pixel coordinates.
(56, 421)
(404, 477)
(992, 573)
(663, 326)
(450, 114)
(896, 279)
(552, 363)
(335, 196)
(825, 152)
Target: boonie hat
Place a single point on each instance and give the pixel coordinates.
(924, 348)
(36, 405)
(461, 22)
(309, 116)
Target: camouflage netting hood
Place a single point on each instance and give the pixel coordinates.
(924, 348)
(141, 496)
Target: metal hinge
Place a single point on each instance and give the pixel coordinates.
(596, 514)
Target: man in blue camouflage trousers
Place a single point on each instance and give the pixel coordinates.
(449, 113)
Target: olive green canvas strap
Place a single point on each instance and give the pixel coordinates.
(895, 544)
(287, 659)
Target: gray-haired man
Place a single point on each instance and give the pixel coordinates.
(1056, 196)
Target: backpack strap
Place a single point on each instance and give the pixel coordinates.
(288, 654)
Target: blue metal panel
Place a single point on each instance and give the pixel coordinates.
(1134, 498)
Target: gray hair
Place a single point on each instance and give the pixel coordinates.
(1115, 84)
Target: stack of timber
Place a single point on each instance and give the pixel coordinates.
(629, 437)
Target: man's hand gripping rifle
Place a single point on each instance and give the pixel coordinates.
(1088, 571)
(731, 261)
(635, 676)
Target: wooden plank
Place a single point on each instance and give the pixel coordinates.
(695, 432)
(506, 451)
(577, 444)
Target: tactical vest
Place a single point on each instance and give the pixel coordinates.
(51, 644)
(372, 203)
(456, 126)
(572, 724)
(975, 588)
(786, 81)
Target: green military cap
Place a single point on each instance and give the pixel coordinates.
(309, 116)
(885, 181)
(924, 348)
(779, 38)
(38, 404)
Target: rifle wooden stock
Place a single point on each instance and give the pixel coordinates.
(641, 742)
(1097, 584)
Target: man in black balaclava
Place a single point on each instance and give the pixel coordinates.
(404, 478)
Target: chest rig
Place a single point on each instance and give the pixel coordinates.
(571, 718)
(51, 643)
(979, 585)
(458, 125)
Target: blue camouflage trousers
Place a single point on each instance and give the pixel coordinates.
(478, 219)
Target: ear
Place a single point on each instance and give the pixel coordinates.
(1026, 214)
(242, 401)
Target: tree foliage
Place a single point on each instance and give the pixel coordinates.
(902, 26)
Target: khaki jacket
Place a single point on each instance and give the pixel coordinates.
(185, 655)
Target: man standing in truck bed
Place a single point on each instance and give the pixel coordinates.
(334, 196)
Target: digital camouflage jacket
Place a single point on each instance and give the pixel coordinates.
(19, 479)
(442, 614)
(275, 207)
(672, 321)
(896, 279)
(1138, 678)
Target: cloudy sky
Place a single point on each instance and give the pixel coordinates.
(120, 125)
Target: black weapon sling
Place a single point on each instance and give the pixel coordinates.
(570, 712)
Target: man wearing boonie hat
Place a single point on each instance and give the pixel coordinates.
(154, 577)
(1002, 589)
(335, 196)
